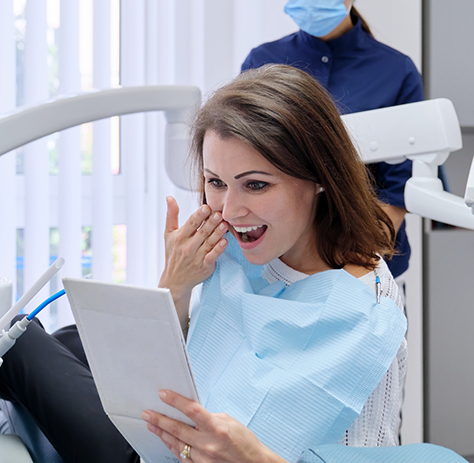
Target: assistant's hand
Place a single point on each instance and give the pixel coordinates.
(217, 437)
(191, 252)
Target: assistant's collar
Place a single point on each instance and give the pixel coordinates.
(349, 41)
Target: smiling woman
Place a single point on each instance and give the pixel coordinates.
(287, 335)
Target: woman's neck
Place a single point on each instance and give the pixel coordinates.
(310, 262)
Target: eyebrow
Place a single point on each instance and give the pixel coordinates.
(243, 174)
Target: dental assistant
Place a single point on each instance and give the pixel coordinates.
(335, 45)
(297, 331)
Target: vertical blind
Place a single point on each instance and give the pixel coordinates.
(8, 201)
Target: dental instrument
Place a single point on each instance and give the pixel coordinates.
(8, 338)
(31, 293)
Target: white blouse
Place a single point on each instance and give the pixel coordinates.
(379, 422)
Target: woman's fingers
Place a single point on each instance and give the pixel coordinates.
(211, 233)
(171, 215)
(160, 424)
(195, 221)
(172, 443)
(215, 252)
(196, 412)
(217, 437)
(203, 231)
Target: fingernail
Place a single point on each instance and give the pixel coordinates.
(216, 216)
(222, 243)
(205, 209)
(146, 416)
(222, 226)
(162, 395)
(151, 427)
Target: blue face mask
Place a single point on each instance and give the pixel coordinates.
(317, 17)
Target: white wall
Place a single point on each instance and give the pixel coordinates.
(395, 23)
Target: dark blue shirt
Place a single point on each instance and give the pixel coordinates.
(359, 73)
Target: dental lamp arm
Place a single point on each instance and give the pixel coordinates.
(177, 101)
(469, 194)
(426, 133)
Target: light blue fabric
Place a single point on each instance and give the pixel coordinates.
(413, 453)
(316, 17)
(295, 364)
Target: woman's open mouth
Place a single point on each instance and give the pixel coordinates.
(248, 235)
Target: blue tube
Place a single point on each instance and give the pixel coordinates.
(45, 303)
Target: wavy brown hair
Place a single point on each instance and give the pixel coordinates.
(285, 115)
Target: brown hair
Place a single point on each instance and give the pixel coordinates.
(287, 116)
(365, 27)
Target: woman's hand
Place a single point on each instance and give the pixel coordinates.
(191, 252)
(217, 437)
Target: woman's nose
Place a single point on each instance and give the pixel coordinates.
(233, 207)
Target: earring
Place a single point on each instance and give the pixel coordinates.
(321, 189)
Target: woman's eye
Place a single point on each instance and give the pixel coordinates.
(216, 183)
(256, 186)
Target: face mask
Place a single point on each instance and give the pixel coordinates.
(317, 17)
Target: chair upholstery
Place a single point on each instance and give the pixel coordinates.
(12, 450)
(21, 424)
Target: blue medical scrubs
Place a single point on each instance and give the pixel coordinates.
(360, 74)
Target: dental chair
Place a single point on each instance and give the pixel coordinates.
(23, 441)
(424, 132)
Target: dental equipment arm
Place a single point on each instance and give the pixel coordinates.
(469, 195)
(32, 292)
(177, 101)
(9, 337)
(426, 133)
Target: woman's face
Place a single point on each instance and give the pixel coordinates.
(270, 213)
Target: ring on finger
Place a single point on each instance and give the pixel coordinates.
(186, 453)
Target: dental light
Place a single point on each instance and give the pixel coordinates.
(425, 132)
(177, 101)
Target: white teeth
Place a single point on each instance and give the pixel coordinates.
(246, 229)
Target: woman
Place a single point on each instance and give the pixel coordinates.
(291, 334)
(335, 45)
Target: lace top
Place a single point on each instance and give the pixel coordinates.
(378, 423)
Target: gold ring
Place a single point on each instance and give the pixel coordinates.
(186, 453)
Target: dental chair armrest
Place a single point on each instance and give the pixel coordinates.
(12, 449)
(425, 196)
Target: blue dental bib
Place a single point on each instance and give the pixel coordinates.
(294, 364)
